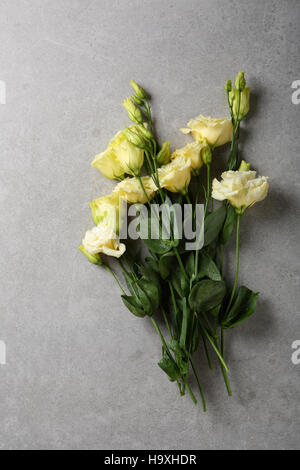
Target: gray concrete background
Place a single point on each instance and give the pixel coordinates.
(81, 371)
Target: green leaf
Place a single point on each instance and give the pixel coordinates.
(181, 356)
(207, 294)
(132, 306)
(190, 265)
(152, 263)
(213, 225)
(180, 283)
(230, 223)
(208, 268)
(152, 294)
(244, 306)
(130, 282)
(166, 263)
(158, 244)
(170, 367)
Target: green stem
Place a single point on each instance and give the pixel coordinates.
(180, 263)
(171, 357)
(208, 195)
(115, 278)
(203, 329)
(167, 322)
(207, 352)
(237, 261)
(224, 373)
(199, 385)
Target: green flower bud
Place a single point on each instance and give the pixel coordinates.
(240, 82)
(95, 259)
(228, 86)
(244, 166)
(137, 100)
(138, 90)
(207, 155)
(163, 156)
(145, 133)
(134, 112)
(134, 138)
(244, 103)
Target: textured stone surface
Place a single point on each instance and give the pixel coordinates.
(80, 370)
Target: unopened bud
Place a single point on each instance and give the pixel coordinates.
(240, 102)
(206, 155)
(95, 259)
(138, 89)
(240, 82)
(163, 156)
(134, 112)
(244, 166)
(147, 134)
(134, 138)
(228, 86)
(137, 100)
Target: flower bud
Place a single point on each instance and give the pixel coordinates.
(134, 112)
(95, 259)
(244, 166)
(207, 155)
(240, 82)
(228, 86)
(134, 138)
(138, 90)
(240, 110)
(163, 156)
(137, 100)
(145, 133)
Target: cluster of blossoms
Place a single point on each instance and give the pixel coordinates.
(146, 173)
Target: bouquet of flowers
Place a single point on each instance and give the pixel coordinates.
(180, 280)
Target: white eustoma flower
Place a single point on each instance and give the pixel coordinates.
(103, 239)
(131, 190)
(176, 175)
(216, 131)
(241, 188)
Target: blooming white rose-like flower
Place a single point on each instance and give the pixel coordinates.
(131, 190)
(191, 152)
(102, 239)
(217, 132)
(176, 175)
(241, 188)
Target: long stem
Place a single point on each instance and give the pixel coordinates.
(171, 357)
(237, 261)
(208, 195)
(115, 278)
(199, 385)
(203, 329)
(180, 263)
(224, 372)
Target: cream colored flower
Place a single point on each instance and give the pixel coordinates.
(102, 239)
(131, 190)
(109, 209)
(192, 153)
(109, 165)
(176, 175)
(241, 188)
(216, 131)
(119, 158)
